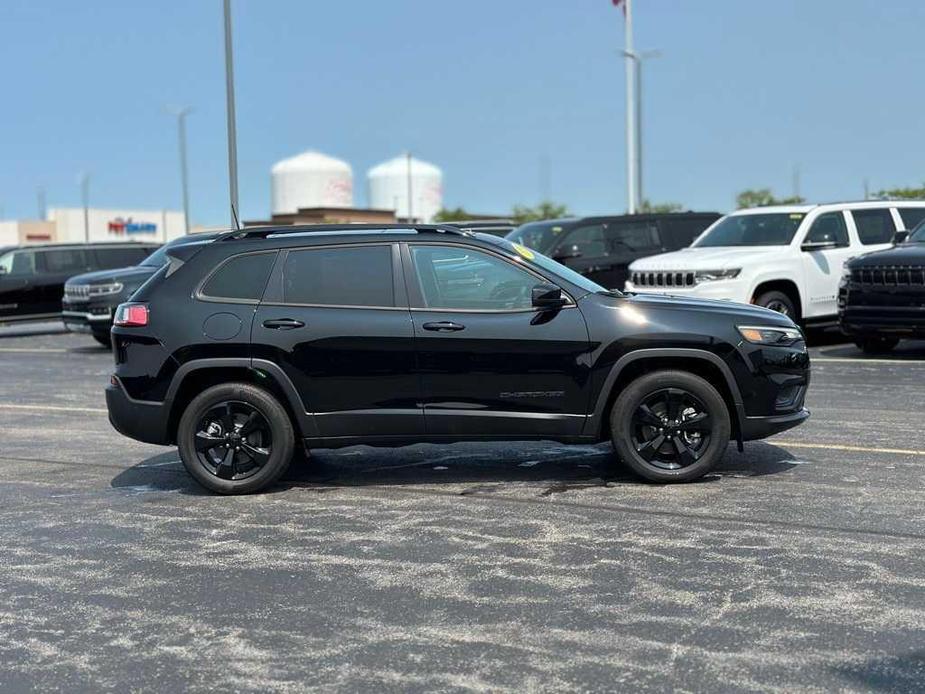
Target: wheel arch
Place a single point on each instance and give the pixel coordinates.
(785, 286)
(195, 376)
(702, 363)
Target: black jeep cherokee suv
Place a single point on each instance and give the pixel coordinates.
(881, 297)
(338, 335)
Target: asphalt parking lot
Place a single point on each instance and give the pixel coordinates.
(799, 565)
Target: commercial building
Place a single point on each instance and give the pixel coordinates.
(68, 225)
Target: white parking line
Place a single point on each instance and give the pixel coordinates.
(856, 449)
(857, 360)
(53, 408)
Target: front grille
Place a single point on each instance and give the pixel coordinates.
(82, 292)
(663, 279)
(889, 276)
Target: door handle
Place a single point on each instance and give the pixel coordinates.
(444, 326)
(283, 324)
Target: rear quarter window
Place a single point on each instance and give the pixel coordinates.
(874, 226)
(242, 278)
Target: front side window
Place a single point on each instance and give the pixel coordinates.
(632, 237)
(770, 229)
(355, 276)
(829, 228)
(540, 236)
(242, 278)
(119, 257)
(874, 226)
(460, 278)
(18, 263)
(584, 241)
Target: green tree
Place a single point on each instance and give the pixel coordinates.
(449, 214)
(763, 197)
(902, 193)
(648, 207)
(545, 210)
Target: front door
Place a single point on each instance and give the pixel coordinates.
(823, 268)
(491, 364)
(18, 296)
(335, 318)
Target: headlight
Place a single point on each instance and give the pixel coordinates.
(713, 275)
(846, 273)
(103, 289)
(770, 335)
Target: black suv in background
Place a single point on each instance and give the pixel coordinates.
(32, 277)
(882, 294)
(602, 248)
(90, 300)
(332, 336)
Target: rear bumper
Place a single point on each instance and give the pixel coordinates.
(141, 420)
(761, 427)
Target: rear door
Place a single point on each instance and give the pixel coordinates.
(336, 319)
(491, 364)
(54, 267)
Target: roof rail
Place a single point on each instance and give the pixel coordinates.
(331, 229)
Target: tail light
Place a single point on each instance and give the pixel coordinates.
(131, 315)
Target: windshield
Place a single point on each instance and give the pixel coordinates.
(917, 235)
(772, 229)
(540, 236)
(545, 263)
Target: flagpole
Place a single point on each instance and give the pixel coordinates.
(632, 176)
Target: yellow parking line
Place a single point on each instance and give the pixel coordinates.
(856, 449)
(33, 349)
(53, 408)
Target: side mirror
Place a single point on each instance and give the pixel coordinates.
(900, 236)
(547, 296)
(567, 253)
(818, 245)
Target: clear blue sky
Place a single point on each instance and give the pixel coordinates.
(486, 89)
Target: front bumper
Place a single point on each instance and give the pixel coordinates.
(142, 420)
(761, 427)
(84, 318)
(729, 290)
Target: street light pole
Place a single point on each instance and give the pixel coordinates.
(181, 115)
(232, 133)
(632, 194)
(638, 59)
(410, 215)
(85, 197)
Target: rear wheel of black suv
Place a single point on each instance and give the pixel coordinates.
(104, 340)
(670, 426)
(235, 438)
(876, 345)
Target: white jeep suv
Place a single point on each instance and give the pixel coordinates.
(786, 258)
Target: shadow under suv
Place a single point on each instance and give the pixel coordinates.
(330, 336)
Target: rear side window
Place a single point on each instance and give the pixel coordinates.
(119, 257)
(874, 226)
(63, 260)
(911, 216)
(242, 278)
(358, 276)
(587, 241)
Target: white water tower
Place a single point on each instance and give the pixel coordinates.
(388, 188)
(311, 179)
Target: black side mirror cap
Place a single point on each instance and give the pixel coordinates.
(900, 236)
(547, 296)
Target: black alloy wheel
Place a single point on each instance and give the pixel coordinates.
(671, 429)
(670, 426)
(233, 440)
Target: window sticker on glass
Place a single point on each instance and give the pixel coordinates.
(796, 216)
(523, 251)
(557, 230)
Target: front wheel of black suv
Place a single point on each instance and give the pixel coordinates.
(235, 438)
(670, 426)
(104, 340)
(876, 345)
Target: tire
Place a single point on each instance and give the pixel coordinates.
(252, 435)
(778, 301)
(104, 340)
(876, 345)
(684, 453)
